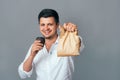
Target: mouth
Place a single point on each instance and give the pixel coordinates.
(47, 32)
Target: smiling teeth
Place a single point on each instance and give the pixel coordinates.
(47, 32)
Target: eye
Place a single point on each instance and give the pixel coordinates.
(42, 25)
(50, 24)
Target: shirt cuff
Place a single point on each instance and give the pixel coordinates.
(82, 45)
(23, 74)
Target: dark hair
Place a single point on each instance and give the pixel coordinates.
(48, 13)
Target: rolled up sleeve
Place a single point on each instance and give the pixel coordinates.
(23, 74)
(82, 44)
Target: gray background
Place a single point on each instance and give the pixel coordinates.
(98, 22)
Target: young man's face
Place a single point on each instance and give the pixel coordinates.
(48, 27)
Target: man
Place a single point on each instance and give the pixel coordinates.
(43, 58)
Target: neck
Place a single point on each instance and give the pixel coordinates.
(49, 42)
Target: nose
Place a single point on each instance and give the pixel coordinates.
(46, 27)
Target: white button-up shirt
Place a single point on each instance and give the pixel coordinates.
(48, 66)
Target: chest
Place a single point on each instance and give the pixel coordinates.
(45, 57)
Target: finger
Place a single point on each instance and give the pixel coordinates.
(39, 47)
(74, 27)
(65, 26)
(37, 41)
(39, 44)
(70, 27)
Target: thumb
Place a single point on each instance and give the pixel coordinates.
(61, 28)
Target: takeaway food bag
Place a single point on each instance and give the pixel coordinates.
(69, 43)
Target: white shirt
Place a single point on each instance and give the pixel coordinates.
(48, 66)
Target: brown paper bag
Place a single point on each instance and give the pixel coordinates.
(69, 43)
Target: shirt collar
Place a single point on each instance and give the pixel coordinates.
(56, 42)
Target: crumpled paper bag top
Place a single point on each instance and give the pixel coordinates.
(69, 43)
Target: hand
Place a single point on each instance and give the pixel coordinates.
(36, 47)
(70, 27)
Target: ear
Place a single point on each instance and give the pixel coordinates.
(57, 25)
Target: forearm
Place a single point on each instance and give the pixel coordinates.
(27, 65)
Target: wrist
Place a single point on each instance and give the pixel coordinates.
(32, 54)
